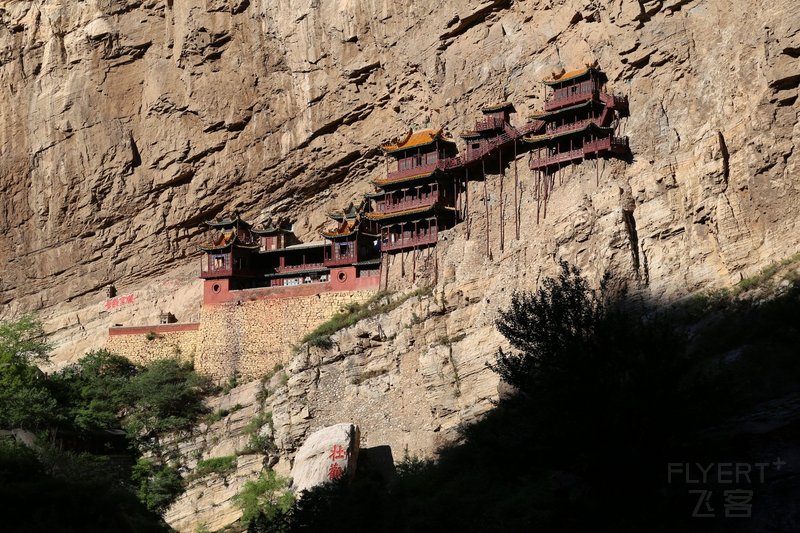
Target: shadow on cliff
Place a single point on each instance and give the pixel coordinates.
(631, 417)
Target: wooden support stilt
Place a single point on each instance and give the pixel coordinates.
(435, 267)
(387, 271)
(402, 263)
(414, 267)
(502, 204)
(516, 201)
(597, 172)
(538, 194)
(466, 202)
(486, 209)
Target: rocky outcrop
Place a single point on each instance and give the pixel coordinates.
(328, 454)
(277, 109)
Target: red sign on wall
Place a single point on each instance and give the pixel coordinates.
(119, 301)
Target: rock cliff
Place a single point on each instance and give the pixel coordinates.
(127, 123)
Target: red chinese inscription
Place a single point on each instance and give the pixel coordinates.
(337, 452)
(335, 472)
(114, 303)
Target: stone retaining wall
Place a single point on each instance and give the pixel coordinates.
(145, 344)
(251, 337)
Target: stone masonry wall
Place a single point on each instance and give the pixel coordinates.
(144, 348)
(251, 337)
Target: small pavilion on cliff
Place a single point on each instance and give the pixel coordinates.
(580, 120)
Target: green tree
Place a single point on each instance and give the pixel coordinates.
(267, 496)
(549, 327)
(25, 401)
(157, 485)
(94, 391)
(166, 396)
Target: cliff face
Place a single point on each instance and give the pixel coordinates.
(126, 123)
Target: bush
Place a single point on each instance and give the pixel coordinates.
(25, 400)
(94, 391)
(214, 465)
(267, 495)
(167, 396)
(158, 485)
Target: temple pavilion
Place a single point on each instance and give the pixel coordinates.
(580, 120)
(416, 199)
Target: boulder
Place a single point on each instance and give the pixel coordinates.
(328, 454)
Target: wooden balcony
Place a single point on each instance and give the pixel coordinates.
(409, 203)
(288, 269)
(340, 260)
(606, 144)
(556, 159)
(209, 269)
(564, 101)
(612, 144)
(217, 273)
(407, 239)
(491, 123)
(408, 172)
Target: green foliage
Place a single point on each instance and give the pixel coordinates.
(549, 328)
(167, 396)
(151, 335)
(219, 414)
(258, 443)
(378, 304)
(767, 274)
(267, 495)
(158, 485)
(214, 465)
(94, 391)
(25, 400)
(233, 381)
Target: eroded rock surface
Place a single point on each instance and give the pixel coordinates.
(125, 124)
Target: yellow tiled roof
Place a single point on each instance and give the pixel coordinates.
(413, 139)
(385, 181)
(378, 216)
(567, 75)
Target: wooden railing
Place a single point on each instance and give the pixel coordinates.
(614, 101)
(572, 99)
(402, 205)
(340, 260)
(294, 268)
(413, 171)
(407, 239)
(491, 123)
(556, 159)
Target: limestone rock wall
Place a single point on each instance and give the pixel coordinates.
(127, 123)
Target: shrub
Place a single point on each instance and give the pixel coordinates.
(25, 400)
(214, 465)
(267, 495)
(167, 396)
(158, 485)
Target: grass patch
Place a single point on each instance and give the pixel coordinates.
(214, 465)
(378, 304)
(258, 443)
(766, 274)
(219, 414)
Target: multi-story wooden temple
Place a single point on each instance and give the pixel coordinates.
(416, 199)
(579, 119)
(424, 191)
(240, 257)
(354, 249)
